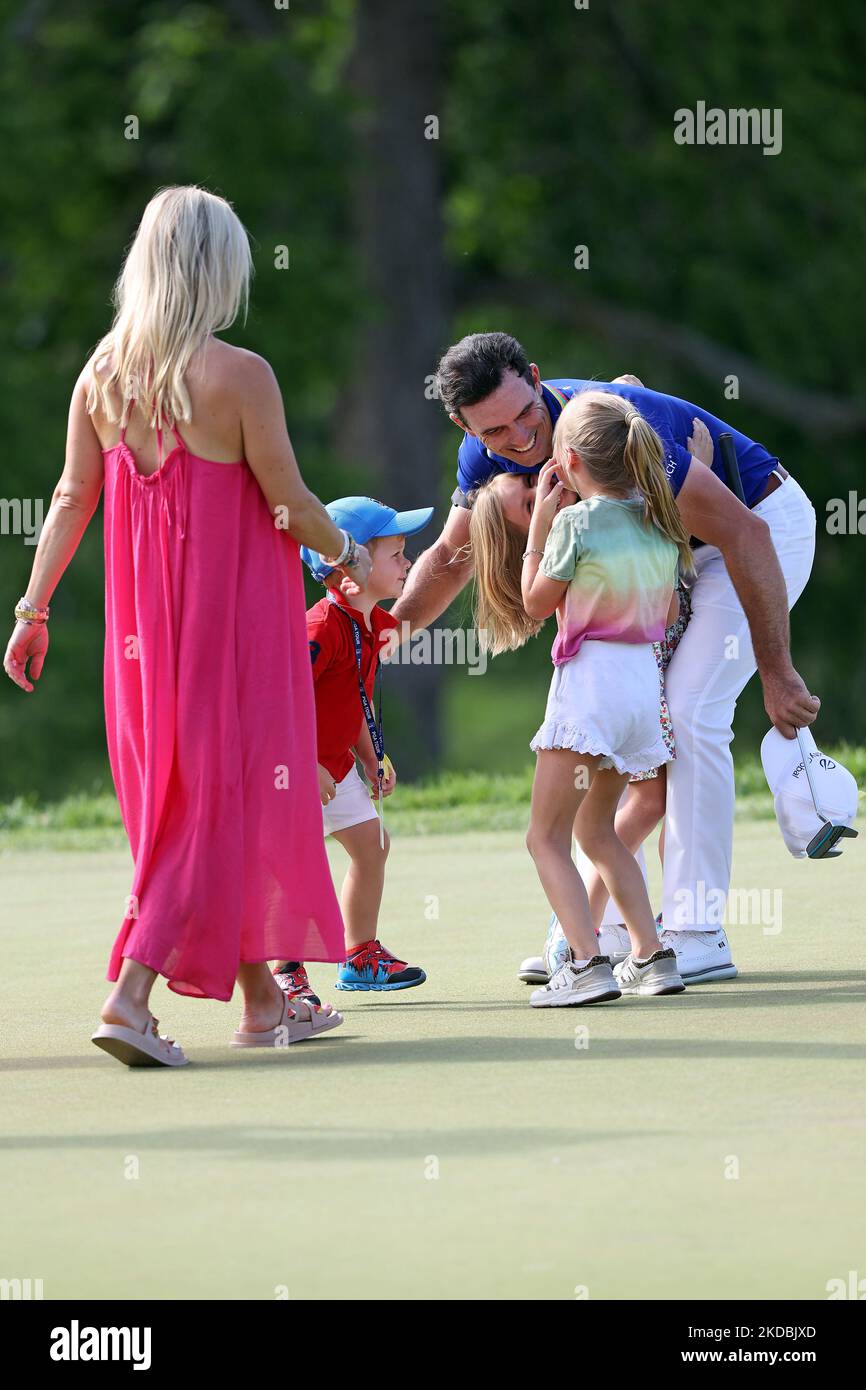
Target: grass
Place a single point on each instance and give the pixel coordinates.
(446, 1142)
(447, 804)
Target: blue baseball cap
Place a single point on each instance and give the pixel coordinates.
(365, 519)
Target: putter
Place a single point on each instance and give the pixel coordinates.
(732, 468)
(821, 846)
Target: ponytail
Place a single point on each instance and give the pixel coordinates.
(643, 455)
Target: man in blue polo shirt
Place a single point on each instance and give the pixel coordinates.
(753, 563)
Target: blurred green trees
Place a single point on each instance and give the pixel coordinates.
(555, 130)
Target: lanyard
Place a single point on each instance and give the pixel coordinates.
(373, 725)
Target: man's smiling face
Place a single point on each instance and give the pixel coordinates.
(513, 421)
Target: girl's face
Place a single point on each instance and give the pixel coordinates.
(517, 494)
(570, 469)
(390, 568)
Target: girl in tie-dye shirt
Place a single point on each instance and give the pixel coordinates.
(608, 566)
(620, 573)
(497, 546)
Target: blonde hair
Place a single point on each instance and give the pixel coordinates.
(497, 548)
(620, 450)
(185, 276)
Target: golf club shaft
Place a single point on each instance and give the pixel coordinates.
(805, 758)
(732, 467)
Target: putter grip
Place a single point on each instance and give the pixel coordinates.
(732, 468)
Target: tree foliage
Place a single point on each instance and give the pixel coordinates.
(555, 130)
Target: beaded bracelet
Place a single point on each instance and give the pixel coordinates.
(348, 556)
(27, 612)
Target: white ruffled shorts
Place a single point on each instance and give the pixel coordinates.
(606, 701)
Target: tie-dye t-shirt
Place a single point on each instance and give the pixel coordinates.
(620, 572)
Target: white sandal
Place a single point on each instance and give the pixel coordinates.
(292, 1027)
(145, 1049)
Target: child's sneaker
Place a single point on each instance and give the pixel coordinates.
(578, 984)
(293, 980)
(659, 974)
(371, 967)
(556, 948)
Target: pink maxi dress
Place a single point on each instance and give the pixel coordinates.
(210, 722)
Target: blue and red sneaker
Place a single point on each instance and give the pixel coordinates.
(294, 981)
(371, 967)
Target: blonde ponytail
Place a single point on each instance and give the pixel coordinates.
(643, 457)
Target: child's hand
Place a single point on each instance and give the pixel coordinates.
(349, 587)
(354, 579)
(389, 779)
(548, 496)
(327, 785)
(700, 443)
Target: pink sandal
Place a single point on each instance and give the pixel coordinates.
(292, 1027)
(145, 1049)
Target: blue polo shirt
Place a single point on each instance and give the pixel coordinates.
(669, 416)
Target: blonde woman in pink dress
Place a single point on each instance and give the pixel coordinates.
(208, 693)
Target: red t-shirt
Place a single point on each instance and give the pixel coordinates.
(339, 713)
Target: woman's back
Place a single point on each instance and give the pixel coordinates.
(213, 755)
(215, 382)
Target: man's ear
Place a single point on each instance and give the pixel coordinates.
(536, 376)
(465, 428)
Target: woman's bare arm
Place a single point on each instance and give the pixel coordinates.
(73, 503)
(269, 453)
(437, 576)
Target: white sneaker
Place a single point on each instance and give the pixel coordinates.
(533, 971)
(614, 941)
(702, 956)
(556, 948)
(656, 975)
(572, 984)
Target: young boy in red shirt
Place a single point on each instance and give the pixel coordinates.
(346, 636)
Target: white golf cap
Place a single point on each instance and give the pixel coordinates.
(835, 788)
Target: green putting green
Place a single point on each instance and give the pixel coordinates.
(447, 1141)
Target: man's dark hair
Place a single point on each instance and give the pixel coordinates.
(473, 368)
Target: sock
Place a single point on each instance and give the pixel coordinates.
(579, 964)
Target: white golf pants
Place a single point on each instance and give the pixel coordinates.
(712, 664)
